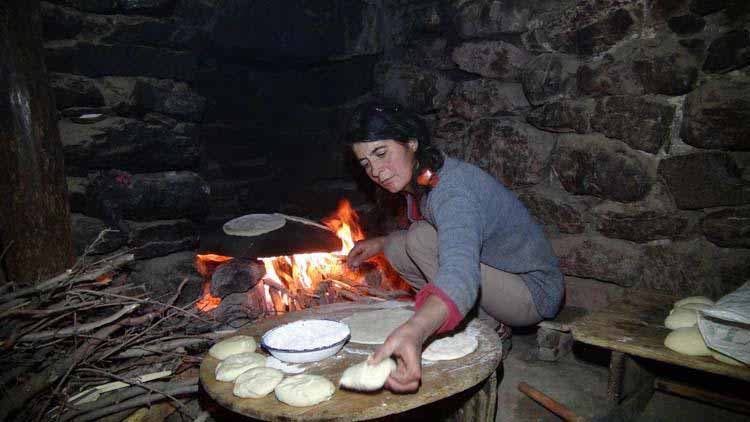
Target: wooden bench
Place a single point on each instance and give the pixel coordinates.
(632, 327)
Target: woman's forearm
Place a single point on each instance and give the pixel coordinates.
(430, 317)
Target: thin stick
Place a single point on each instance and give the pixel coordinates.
(36, 383)
(138, 383)
(155, 302)
(138, 402)
(6, 249)
(69, 276)
(169, 303)
(38, 313)
(124, 394)
(70, 331)
(304, 221)
(13, 339)
(139, 351)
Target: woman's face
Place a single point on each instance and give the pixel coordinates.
(388, 163)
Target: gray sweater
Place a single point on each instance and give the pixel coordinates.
(480, 220)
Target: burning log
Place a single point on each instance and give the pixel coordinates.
(236, 276)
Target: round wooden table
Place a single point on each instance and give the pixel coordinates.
(472, 378)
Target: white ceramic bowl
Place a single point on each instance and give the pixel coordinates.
(307, 351)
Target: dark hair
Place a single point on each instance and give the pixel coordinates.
(379, 120)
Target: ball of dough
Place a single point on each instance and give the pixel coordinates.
(695, 306)
(681, 318)
(725, 359)
(453, 347)
(366, 377)
(687, 341)
(257, 382)
(304, 390)
(232, 346)
(693, 299)
(230, 368)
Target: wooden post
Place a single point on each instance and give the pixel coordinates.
(34, 216)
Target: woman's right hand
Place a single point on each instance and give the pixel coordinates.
(364, 250)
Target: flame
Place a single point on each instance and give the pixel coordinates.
(290, 279)
(311, 268)
(345, 223)
(208, 302)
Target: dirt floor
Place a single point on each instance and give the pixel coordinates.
(579, 380)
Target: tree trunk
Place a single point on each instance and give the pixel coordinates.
(34, 218)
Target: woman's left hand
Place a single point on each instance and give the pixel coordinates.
(364, 250)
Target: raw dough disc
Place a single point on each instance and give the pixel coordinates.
(232, 346)
(366, 377)
(693, 299)
(257, 382)
(453, 347)
(304, 390)
(231, 368)
(375, 326)
(254, 224)
(681, 318)
(687, 341)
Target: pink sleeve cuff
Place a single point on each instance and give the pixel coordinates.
(454, 315)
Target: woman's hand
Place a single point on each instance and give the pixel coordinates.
(364, 250)
(405, 345)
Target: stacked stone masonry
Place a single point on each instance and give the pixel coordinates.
(132, 173)
(621, 124)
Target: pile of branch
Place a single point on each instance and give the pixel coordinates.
(86, 344)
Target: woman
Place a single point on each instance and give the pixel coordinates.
(470, 238)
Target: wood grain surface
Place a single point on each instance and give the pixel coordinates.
(439, 379)
(634, 324)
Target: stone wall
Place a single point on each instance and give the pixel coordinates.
(623, 125)
(213, 109)
(135, 169)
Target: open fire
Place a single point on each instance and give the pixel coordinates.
(298, 281)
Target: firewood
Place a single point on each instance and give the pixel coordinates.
(90, 274)
(75, 330)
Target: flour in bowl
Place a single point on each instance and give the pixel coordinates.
(306, 335)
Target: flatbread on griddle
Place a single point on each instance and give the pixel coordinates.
(254, 224)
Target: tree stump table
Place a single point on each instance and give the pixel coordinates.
(463, 389)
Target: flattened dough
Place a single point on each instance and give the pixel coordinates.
(257, 382)
(693, 299)
(254, 224)
(453, 347)
(232, 346)
(304, 390)
(687, 341)
(231, 368)
(366, 377)
(681, 318)
(375, 326)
